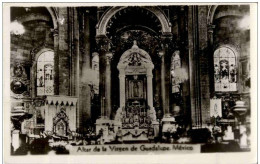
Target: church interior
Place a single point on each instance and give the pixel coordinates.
(130, 74)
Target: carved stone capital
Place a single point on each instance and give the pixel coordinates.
(109, 56)
(103, 43)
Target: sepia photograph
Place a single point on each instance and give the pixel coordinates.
(129, 79)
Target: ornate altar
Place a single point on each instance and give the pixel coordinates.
(60, 115)
(136, 115)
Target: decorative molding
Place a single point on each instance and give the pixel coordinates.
(62, 100)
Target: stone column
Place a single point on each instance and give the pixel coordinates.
(149, 76)
(84, 110)
(108, 85)
(163, 92)
(103, 46)
(122, 87)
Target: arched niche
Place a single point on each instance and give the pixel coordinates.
(102, 24)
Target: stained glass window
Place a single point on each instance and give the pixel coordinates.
(225, 74)
(45, 73)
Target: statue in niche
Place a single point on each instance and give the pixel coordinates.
(136, 90)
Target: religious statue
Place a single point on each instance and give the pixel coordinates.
(135, 90)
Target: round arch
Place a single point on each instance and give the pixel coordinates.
(102, 24)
